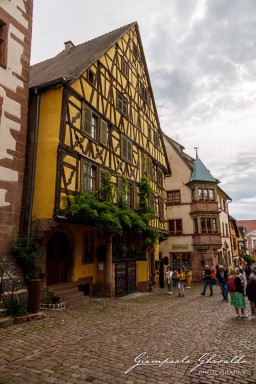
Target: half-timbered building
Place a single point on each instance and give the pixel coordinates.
(93, 110)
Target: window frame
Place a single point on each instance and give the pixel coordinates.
(122, 104)
(125, 143)
(87, 178)
(160, 177)
(90, 76)
(173, 200)
(90, 122)
(144, 94)
(150, 168)
(175, 223)
(208, 225)
(125, 67)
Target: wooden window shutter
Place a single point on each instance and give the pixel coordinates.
(103, 133)
(87, 120)
(136, 197)
(120, 184)
(84, 176)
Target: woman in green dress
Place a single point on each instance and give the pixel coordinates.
(237, 299)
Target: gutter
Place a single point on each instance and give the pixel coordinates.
(32, 186)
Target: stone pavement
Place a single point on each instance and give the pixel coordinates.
(99, 342)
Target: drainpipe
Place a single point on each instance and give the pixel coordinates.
(33, 165)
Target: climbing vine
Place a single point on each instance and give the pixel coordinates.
(99, 210)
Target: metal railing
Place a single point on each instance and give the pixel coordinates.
(7, 286)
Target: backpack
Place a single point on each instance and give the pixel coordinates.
(231, 285)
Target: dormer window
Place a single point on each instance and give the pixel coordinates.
(90, 77)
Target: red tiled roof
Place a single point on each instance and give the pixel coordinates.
(250, 225)
(69, 64)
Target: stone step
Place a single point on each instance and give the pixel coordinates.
(61, 286)
(76, 301)
(2, 312)
(68, 293)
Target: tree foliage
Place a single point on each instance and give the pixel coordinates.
(28, 256)
(99, 210)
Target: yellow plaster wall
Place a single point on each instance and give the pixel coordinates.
(142, 271)
(48, 140)
(81, 269)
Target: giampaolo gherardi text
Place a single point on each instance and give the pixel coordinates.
(143, 360)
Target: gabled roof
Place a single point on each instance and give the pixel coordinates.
(70, 64)
(180, 149)
(249, 225)
(201, 173)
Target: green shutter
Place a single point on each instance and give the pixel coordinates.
(103, 133)
(87, 120)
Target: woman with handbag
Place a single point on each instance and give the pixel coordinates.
(237, 299)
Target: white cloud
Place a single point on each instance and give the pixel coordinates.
(201, 56)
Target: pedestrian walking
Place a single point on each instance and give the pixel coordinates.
(207, 280)
(181, 277)
(247, 271)
(222, 276)
(241, 275)
(169, 279)
(174, 278)
(213, 275)
(188, 278)
(237, 299)
(251, 294)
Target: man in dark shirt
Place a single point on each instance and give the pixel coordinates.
(222, 276)
(207, 280)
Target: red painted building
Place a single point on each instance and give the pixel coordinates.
(15, 48)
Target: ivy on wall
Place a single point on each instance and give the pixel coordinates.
(100, 211)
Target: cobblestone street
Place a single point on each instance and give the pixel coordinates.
(98, 342)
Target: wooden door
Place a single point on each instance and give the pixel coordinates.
(58, 259)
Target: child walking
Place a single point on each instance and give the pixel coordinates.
(181, 277)
(169, 279)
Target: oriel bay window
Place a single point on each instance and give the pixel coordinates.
(89, 177)
(207, 225)
(205, 194)
(175, 227)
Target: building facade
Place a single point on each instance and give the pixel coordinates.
(197, 212)
(93, 111)
(248, 229)
(15, 48)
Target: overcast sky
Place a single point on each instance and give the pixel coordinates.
(201, 56)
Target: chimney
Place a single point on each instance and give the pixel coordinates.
(68, 45)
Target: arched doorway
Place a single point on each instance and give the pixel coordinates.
(58, 261)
